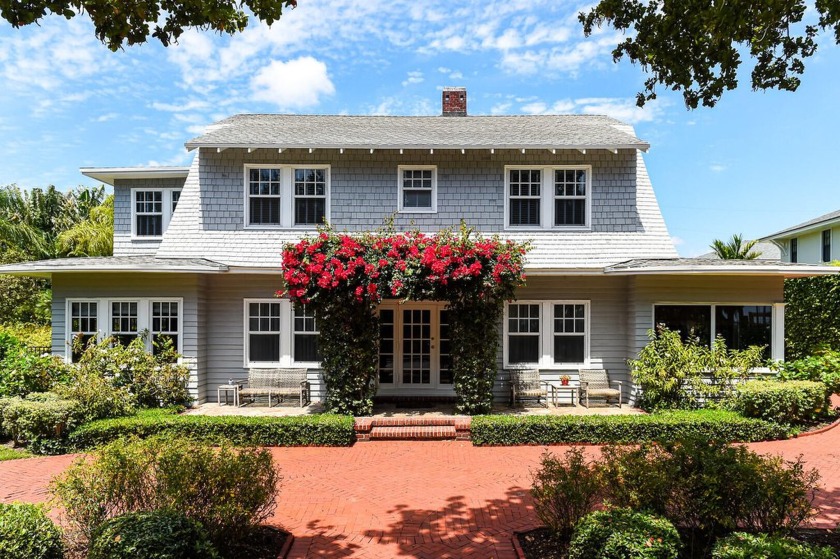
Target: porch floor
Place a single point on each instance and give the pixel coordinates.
(391, 410)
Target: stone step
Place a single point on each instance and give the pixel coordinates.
(414, 433)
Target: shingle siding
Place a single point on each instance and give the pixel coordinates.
(123, 243)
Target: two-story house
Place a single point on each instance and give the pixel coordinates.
(197, 250)
(816, 241)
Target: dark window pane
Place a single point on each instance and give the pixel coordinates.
(264, 347)
(794, 250)
(569, 212)
(309, 211)
(159, 340)
(826, 245)
(523, 349)
(265, 211)
(742, 327)
(306, 347)
(568, 349)
(693, 321)
(524, 212)
(149, 225)
(79, 348)
(417, 199)
(125, 339)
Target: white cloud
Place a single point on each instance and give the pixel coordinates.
(717, 168)
(295, 84)
(191, 105)
(106, 117)
(624, 110)
(678, 241)
(413, 77)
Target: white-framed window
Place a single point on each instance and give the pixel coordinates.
(286, 196)
(546, 334)
(417, 188)
(794, 250)
(151, 211)
(83, 325)
(548, 197)
(124, 319)
(741, 325)
(276, 334)
(166, 322)
(826, 245)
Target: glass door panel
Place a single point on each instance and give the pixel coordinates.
(445, 359)
(386, 346)
(417, 346)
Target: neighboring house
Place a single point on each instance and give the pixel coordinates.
(813, 242)
(767, 251)
(197, 251)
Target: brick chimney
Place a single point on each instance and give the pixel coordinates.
(454, 101)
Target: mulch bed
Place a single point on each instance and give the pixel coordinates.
(539, 543)
(264, 542)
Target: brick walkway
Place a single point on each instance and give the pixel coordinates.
(417, 499)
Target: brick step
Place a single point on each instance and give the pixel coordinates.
(414, 433)
(413, 428)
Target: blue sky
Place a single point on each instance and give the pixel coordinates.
(756, 163)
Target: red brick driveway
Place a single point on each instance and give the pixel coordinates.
(417, 499)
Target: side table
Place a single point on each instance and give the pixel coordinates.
(571, 389)
(228, 389)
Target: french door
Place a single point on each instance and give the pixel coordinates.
(414, 348)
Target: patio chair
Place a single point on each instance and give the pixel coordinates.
(526, 383)
(596, 382)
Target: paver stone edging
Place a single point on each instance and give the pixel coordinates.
(516, 547)
(819, 431)
(287, 546)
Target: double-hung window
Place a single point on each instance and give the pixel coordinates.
(305, 336)
(826, 245)
(417, 188)
(165, 322)
(286, 195)
(263, 334)
(124, 321)
(547, 197)
(279, 334)
(152, 211)
(84, 326)
(546, 334)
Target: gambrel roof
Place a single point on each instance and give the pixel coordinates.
(257, 131)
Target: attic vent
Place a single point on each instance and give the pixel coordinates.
(454, 101)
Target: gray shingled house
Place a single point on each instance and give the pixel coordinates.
(814, 241)
(197, 250)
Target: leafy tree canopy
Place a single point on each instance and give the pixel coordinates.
(695, 46)
(131, 22)
(734, 249)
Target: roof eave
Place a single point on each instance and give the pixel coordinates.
(785, 271)
(796, 231)
(109, 175)
(643, 146)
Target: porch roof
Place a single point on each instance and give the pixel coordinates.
(106, 264)
(715, 266)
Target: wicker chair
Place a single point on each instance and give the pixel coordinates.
(526, 383)
(276, 383)
(596, 382)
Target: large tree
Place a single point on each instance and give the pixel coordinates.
(696, 46)
(734, 249)
(131, 22)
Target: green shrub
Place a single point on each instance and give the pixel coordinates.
(154, 380)
(812, 315)
(27, 533)
(30, 334)
(315, 430)
(159, 534)
(564, 491)
(677, 374)
(710, 487)
(793, 402)
(555, 429)
(97, 397)
(227, 490)
(23, 371)
(823, 367)
(624, 534)
(38, 417)
(764, 546)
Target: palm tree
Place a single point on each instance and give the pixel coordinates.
(19, 224)
(734, 249)
(92, 237)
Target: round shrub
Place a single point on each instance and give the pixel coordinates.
(624, 534)
(790, 402)
(157, 534)
(763, 546)
(27, 533)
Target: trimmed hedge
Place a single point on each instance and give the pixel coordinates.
(791, 402)
(763, 546)
(38, 416)
(600, 429)
(312, 430)
(157, 534)
(624, 534)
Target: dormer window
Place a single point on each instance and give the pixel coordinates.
(286, 195)
(547, 197)
(417, 189)
(152, 210)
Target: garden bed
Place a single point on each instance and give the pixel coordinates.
(540, 544)
(488, 430)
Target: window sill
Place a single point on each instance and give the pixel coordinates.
(147, 238)
(413, 211)
(553, 229)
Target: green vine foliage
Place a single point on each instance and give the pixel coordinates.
(812, 315)
(343, 278)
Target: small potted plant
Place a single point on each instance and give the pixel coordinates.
(564, 380)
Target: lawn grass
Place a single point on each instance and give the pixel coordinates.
(7, 453)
